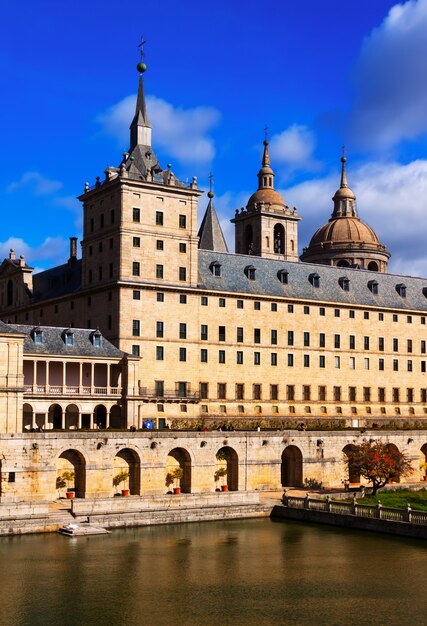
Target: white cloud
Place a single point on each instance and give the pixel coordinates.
(183, 133)
(391, 80)
(38, 184)
(294, 147)
(391, 198)
(53, 249)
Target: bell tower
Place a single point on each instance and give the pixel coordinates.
(267, 227)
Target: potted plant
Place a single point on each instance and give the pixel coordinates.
(119, 478)
(174, 475)
(220, 473)
(68, 477)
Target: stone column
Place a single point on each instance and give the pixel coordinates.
(92, 380)
(91, 421)
(107, 418)
(64, 367)
(108, 377)
(34, 374)
(62, 419)
(79, 421)
(46, 421)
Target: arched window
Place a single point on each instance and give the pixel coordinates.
(249, 239)
(279, 239)
(373, 266)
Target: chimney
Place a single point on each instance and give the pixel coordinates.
(73, 250)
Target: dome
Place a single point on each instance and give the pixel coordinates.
(344, 230)
(269, 196)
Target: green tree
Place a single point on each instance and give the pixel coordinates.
(377, 462)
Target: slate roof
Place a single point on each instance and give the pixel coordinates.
(210, 233)
(54, 342)
(57, 281)
(233, 279)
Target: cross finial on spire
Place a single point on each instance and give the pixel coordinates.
(211, 180)
(266, 133)
(141, 47)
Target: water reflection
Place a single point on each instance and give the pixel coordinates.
(251, 572)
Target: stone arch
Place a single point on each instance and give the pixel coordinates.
(353, 473)
(27, 417)
(424, 461)
(74, 461)
(181, 457)
(292, 466)
(394, 477)
(373, 266)
(129, 461)
(279, 239)
(229, 459)
(100, 416)
(343, 263)
(71, 417)
(249, 239)
(55, 416)
(116, 418)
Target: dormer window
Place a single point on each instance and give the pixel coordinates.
(315, 280)
(215, 268)
(38, 336)
(250, 272)
(344, 283)
(282, 275)
(401, 290)
(96, 339)
(69, 337)
(373, 287)
(425, 292)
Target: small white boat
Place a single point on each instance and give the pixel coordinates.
(79, 530)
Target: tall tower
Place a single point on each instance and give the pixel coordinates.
(267, 227)
(346, 241)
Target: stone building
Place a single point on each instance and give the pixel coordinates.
(251, 335)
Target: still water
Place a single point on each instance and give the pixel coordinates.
(250, 572)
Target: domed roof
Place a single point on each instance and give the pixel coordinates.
(270, 196)
(344, 230)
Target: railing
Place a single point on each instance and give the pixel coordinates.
(377, 511)
(168, 394)
(65, 390)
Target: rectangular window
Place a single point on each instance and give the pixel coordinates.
(337, 341)
(183, 221)
(204, 301)
(136, 242)
(395, 317)
(337, 394)
(306, 393)
(395, 365)
(290, 360)
(257, 358)
(352, 363)
(409, 367)
(159, 329)
(239, 304)
(306, 310)
(182, 389)
(159, 353)
(306, 360)
(322, 361)
(381, 317)
(290, 393)
(274, 337)
(274, 306)
(274, 358)
(423, 365)
(136, 294)
(136, 215)
(366, 363)
(239, 337)
(159, 271)
(395, 345)
(290, 308)
(182, 298)
(159, 218)
(160, 297)
(239, 357)
(257, 335)
(322, 340)
(365, 315)
(366, 394)
(203, 355)
(100, 272)
(336, 312)
(352, 342)
(424, 395)
(381, 394)
(290, 337)
(183, 354)
(409, 345)
(183, 331)
(274, 392)
(183, 247)
(204, 332)
(204, 391)
(410, 395)
(381, 365)
(221, 356)
(182, 273)
(322, 311)
(306, 339)
(159, 244)
(423, 346)
(221, 302)
(257, 306)
(135, 328)
(396, 394)
(135, 350)
(222, 390)
(366, 343)
(337, 362)
(381, 344)
(240, 391)
(321, 393)
(221, 333)
(256, 392)
(352, 394)
(409, 319)
(135, 268)
(351, 314)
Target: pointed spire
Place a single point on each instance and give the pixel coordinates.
(344, 199)
(266, 174)
(140, 129)
(343, 170)
(210, 232)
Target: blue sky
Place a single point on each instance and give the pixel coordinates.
(318, 74)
